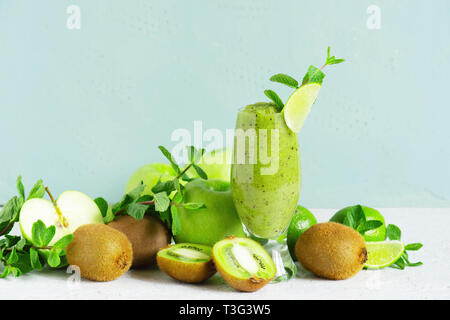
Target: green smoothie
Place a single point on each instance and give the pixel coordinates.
(265, 175)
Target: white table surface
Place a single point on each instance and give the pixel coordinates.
(430, 281)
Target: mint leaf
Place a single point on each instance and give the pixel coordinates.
(102, 206)
(176, 227)
(20, 187)
(34, 259)
(6, 272)
(200, 172)
(136, 192)
(275, 98)
(349, 221)
(23, 263)
(10, 240)
(169, 157)
(335, 61)
(38, 233)
(313, 75)
(285, 79)
(369, 225)
(399, 264)
(194, 154)
(48, 235)
(38, 190)
(137, 210)
(8, 211)
(408, 263)
(53, 259)
(21, 243)
(393, 232)
(110, 216)
(194, 205)
(63, 242)
(12, 257)
(162, 201)
(167, 186)
(178, 197)
(128, 198)
(178, 186)
(16, 272)
(413, 246)
(354, 217)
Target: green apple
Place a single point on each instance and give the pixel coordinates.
(208, 225)
(216, 164)
(150, 174)
(71, 210)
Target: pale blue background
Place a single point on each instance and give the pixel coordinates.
(84, 108)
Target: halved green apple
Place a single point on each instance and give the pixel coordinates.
(71, 210)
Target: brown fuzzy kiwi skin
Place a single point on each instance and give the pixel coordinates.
(147, 236)
(245, 285)
(186, 271)
(102, 253)
(331, 250)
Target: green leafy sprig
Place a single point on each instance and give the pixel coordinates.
(167, 196)
(313, 75)
(19, 255)
(356, 219)
(394, 233)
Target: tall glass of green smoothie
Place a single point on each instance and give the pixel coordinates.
(265, 179)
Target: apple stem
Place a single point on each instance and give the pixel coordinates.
(61, 218)
(50, 195)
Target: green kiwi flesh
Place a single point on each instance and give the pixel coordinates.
(243, 263)
(186, 262)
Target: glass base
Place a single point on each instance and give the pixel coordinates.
(278, 250)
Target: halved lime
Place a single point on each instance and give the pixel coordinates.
(299, 104)
(383, 253)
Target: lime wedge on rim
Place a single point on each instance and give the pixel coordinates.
(299, 104)
(383, 253)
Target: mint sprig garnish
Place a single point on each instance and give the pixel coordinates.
(356, 219)
(313, 75)
(167, 196)
(394, 233)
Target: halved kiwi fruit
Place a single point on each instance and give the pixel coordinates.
(243, 263)
(186, 262)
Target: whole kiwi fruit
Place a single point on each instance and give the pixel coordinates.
(243, 263)
(102, 253)
(146, 235)
(187, 262)
(331, 250)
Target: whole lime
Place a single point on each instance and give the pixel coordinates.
(301, 221)
(378, 234)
